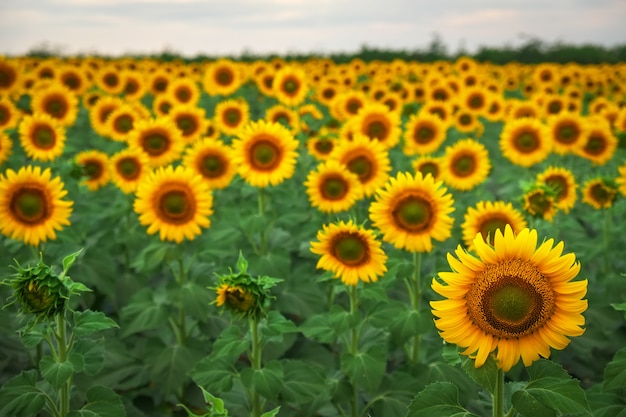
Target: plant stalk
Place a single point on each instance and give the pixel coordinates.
(61, 337)
(498, 396)
(354, 347)
(416, 299)
(255, 360)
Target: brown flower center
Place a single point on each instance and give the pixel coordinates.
(413, 214)
(264, 155)
(334, 187)
(29, 205)
(350, 249)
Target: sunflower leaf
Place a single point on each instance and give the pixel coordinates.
(615, 372)
(485, 376)
(88, 322)
(20, 396)
(368, 368)
(551, 396)
(440, 399)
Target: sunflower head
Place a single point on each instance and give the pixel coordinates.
(600, 192)
(540, 200)
(242, 294)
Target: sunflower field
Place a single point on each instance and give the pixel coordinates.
(311, 238)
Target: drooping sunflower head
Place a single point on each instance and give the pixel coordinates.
(95, 168)
(423, 134)
(525, 142)
(231, 115)
(32, 208)
(540, 201)
(128, 167)
(42, 137)
(212, 159)
(174, 202)
(332, 188)
(351, 252)
(411, 210)
(377, 122)
(512, 298)
(290, 85)
(600, 193)
(58, 102)
(466, 164)
(486, 218)
(159, 139)
(265, 153)
(563, 183)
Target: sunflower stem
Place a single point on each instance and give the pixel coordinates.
(498, 396)
(180, 278)
(255, 360)
(607, 236)
(61, 337)
(354, 347)
(416, 298)
(261, 214)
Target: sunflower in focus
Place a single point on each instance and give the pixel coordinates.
(265, 153)
(9, 114)
(567, 131)
(513, 298)
(350, 251)
(411, 210)
(222, 77)
(159, 139)
(32, 208)
(486, 218)
(465, 164)
(599, 143)
(540, 201)
(95, 168)
(525, 142)
(58, 102)
(6, 147)
(212, 160)
(41, 137)
(562, 181)
(423, 134)
(230, 115)
(600, 193)
(189, 120)
(429, 165)
(128, 168)
(183, 90)
(332, 188)
(290, 85)
(375, 121)
(366, 158)
(174, 202)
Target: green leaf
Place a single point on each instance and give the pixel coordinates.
(451, 354)
(304, 383)
(318, 328)
(550, 395)
(20, 397)
(272, 413)
(342, 320)
(197, 300)
(216, 404)
(410, 323)
(266, 381)
(615, 371)
(230, 344)
(277, 325)
(91, 352)
(242, 264)
(69, 260)
(88, 322)
(214, 374)
(365, 368)
(101, 402)
(56, 373)
(169, 371)
(33, 337)
(485, 376)
(440, 399)
(142, 313)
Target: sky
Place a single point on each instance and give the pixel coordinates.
(232, 27)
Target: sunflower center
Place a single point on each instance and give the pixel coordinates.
(212, 166)
(526, 142)
(232, 117)
(353, 106)
(124, 124)
(324, 146)
(476, 102)
(465, 120)
(165, 107)
(595, 145)
(155, 143)
(510, 299)
(29, 205)
(424, 134)
(131, 87)
(128, 168)
(265, 155)
(377, 130)
(464, 165)
(224, 77)
(558, 184)
(334, 188)
(186, 124)
(601, 194)
(554, 107)
(44, 137)
(176, 206)
(291, 86)
(429, 168)
(538, 203)
(92, 169)
(362, 167)
(350, 249)
(567, 134)
(183, 94)
(56, 107)
(111, 80)
(7, 77)
(160, 85)
(413, 214)
(4, 115)
(489, 227)
(71, 81)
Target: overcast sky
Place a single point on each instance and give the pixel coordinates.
(190, 27)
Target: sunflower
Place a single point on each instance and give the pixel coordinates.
(74, 79)
(465, 164)
(222, 77)
(9, 76)
(162, 105)
(347, 104)
(265, 153)
(127, 168)
(6, 147)
(174, 202)
(326, 92)
(212, 160)
(522, 109)
(9, 114)
(563, 183)
(230, 115)
(525, 141)
(158, 82)
(366, 158)
(189, 120)
(620, 180)
(321, 145)
(310, 110)
(440, 109)
(95, 168)
(90, 99)
(411, 210)
(41, 137)
(429, 165)
(109, 80)
(31, 205)
(57, 101)
(183, 90)
(332, 188)
(423, 134)
(513, 297)
(495, 108)
(351, 252)
(159, 139)
(290, 85)
(467, 122)
(100, 112)
(540, 201)
(375, 121)
(475, 100)
(599, 192)
(599, 144)
(135, 86)
(265, 81)
(120, 122)
(486, 218)
(567, 131)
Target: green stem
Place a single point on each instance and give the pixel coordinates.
(354, 347)
(61, 336)
(255, 360)
(182, 330)
(607, 236)
(416, 299)
(498, 396)
(261, 214)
